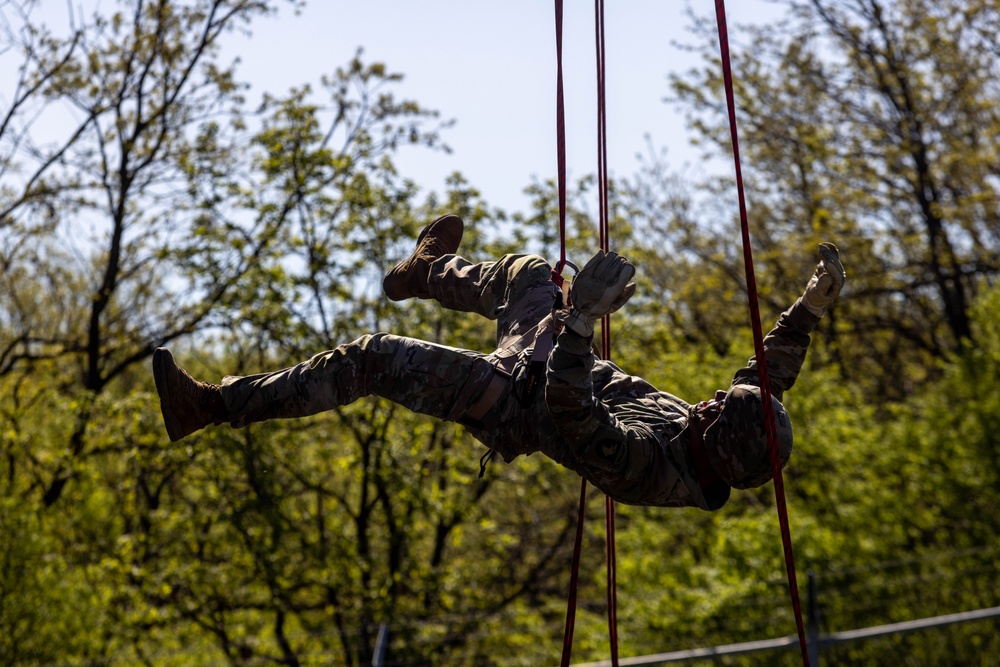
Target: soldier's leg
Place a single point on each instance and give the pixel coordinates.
(516, 290)
(435, 380)
(434, 270)
(431, 379)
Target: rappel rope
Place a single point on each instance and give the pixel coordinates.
(574, 575)
(605, 238)
(770, 429)
(602, 174)
(765, 387)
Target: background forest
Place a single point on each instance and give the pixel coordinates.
(170, 210)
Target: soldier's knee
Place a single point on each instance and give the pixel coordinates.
(358, 350)
(371, 341)
(377, 345)
(530, 270)
(537, 268)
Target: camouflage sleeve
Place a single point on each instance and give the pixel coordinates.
(569, 390)
(595, 436)
(785, 347)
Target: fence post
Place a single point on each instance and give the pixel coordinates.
(812, 639)
(381, 645)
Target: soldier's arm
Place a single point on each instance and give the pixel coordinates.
(785, 348)
(786, 345)
(569, 391)
(596, 437)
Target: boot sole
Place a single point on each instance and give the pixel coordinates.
(162, 361)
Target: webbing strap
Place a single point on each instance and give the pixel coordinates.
(765, 388)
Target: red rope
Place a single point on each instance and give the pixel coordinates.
(602, 127)
(765, 388)
(602, 180)
(574, 577)
(609, 526)
(602, 175)
(560, 142)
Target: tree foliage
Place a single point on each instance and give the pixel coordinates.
(872, 124)
(145, 202)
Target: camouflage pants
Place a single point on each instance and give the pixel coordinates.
(428, 378)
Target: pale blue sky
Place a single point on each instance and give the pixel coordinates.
(490, 65)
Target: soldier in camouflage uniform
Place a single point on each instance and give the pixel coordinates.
(637, 444)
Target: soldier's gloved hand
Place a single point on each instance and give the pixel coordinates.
(601, 288)
(826, 282)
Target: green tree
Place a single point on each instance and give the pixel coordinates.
(888, 474)
(91, 148)
(389, 480)
(872, 124)
(88, 282)
(243, 241)
(251, 240)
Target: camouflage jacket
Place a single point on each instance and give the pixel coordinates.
(629, 439)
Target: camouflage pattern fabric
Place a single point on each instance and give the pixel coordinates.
(616, 430)
(785, 347)
(431, 379)
(626, 437)
(630, 439)
(434, 380)
(517, 291)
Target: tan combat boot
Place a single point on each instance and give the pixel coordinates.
(409, 278)
(187, 405)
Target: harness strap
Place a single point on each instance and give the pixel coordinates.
(490, 396)
(486, 458)
(542, 333)
(539, 357)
